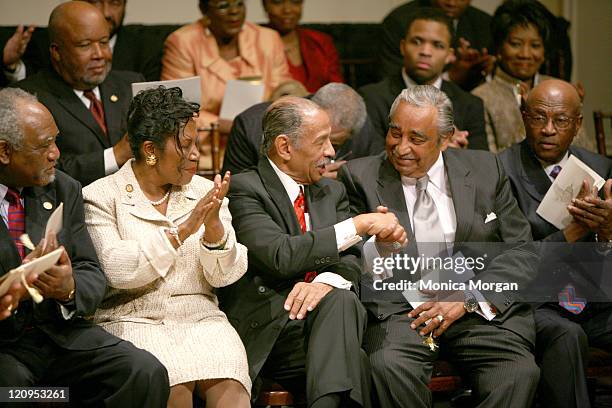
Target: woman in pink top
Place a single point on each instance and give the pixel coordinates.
(220, 47)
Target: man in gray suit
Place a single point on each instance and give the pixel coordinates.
(451, 197)
(296, 308)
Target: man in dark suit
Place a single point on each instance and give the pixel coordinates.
(471, 31)
(447, 198)
(426, 48)
(296, 308)
(552, 117)
(53, 342)
(88, 103)
(352, 134)
(134, 48)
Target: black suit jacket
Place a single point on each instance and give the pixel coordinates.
(81, 141)
(530, 183)
(468, 108)
(581, 264)
(140, 51)
(478, 186)
(279, 254)
(242, 151)
(474, 26)
(77, 333)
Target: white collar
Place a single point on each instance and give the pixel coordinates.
(291, 186)
(548, 168)
(410, 83)
(112, 42)
(4, 190)
(436, 174)
(82, 97)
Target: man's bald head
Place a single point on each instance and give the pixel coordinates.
(552, 117)
(67, 15)
(80, 51)
(557, 90)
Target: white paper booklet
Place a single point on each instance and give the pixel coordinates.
(20, 274)
(190, 87)
(240, 95)
(39, 265)
(566, 187)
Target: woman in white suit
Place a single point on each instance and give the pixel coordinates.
(164, 239)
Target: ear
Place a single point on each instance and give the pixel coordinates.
(445, 140)
(450, 58)
(5, 152)
(54, 50)
(578, 122)
(283, 147)
(148, 148)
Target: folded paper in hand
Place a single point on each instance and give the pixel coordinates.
(566, 187)
(38, 265)
(20, 274)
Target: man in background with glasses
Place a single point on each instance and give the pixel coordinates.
(552, 115)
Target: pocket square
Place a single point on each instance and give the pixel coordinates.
(490, 217)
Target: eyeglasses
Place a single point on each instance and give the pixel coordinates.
(560, 122)
(224, 6)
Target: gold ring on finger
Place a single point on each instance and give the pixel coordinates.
(440, 318)
(10, 307)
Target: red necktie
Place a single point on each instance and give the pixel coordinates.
(96, 109)
(299, 206)
(16, 219)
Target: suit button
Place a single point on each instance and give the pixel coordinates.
(317, 261)
(261, 289)
(254, 325)
(381, 316)
(328, 259)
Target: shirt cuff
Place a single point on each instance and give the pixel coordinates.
(18, 74)
(333, 279)
(110, 163)
(485, 309)
(346, 234)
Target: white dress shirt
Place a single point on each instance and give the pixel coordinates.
(346, 234)
(110, 162)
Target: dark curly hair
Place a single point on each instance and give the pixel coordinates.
(157, 114)
(520, 13)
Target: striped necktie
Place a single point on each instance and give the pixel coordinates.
(16, 219)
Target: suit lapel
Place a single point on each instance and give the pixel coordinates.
(67, 98)
(390, 193)
(113, 98)
(279, 196)
(535, 180)
(36, 214)
(463, 193)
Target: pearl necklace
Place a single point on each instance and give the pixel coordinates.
(161, 200)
